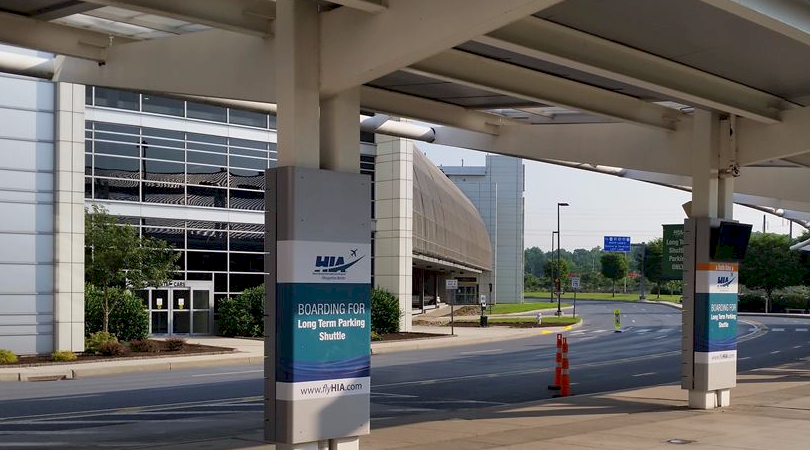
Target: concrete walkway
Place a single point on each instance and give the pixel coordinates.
(770, 410)
(251, 351)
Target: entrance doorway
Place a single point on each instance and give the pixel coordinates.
(184, 308)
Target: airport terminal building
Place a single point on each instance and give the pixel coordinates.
(190, 173)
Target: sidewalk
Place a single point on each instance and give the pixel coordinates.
(770, 410)
(251, 351)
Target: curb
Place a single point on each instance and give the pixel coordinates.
(456, 341)
(43, 373)
(788, 315)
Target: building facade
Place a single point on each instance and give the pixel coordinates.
(496, 190)
(187, 172)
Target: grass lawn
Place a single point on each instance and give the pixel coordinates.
(561, 321)
(605, 296)
(508, 308)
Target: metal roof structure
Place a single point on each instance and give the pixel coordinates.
(585, 83)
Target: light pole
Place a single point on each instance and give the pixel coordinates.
(558, 282)
(551, 291)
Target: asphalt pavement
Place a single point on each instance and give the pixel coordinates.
(163, 407)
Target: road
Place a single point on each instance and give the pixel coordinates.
(145, 409)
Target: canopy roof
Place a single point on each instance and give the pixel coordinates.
(595, 82)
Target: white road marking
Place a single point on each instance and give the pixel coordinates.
(227, 373)
(643, 330)
(801, 329)
(600, 331)
(777, 329)
(659, 337)
(644, 374)
(776, 351)
(665, 330)
(384, 394)
(797, 346)
(743, 359)
(577, 332)
(482, 351)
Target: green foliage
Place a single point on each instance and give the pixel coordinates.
(112, 348)
(174, 344)
(614, 267)
(63, 355)
(532, 283)
(769, 264)
(117, 257)
(782, 300)
(535, 261)
(93, 343)
(385, 312)
(243, 315)
(7, 357)
(557, 270)
(128, 320)
(375, 336)
(144, 346)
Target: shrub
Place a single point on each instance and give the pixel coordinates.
(243, 315)
(63, 355)
(7, 357)
(144, 346)
(112, 348)
(93, 343)
(375, 336)
(385, 312)
(129, 318)
(174, 343)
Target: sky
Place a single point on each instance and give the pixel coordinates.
(600, 205)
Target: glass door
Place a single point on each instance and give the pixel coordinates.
(201, 311)
(181, 311)
(159, 314)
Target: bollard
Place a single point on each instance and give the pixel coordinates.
(558, 366)
(565, 377)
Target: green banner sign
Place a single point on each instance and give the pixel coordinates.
(672, 261)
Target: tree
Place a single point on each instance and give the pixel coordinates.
(614, 267)
(769, 264)
(559, 271)
(117, 257)
(534, 261)
(653, 257)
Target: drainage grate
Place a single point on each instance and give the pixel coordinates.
(679, 441)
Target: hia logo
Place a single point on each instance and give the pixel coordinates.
(336, 264)
(725, 281)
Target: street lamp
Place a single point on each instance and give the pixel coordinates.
(551, 291)
(558, 282)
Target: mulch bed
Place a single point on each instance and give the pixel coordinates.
(401, 336)
(163, 351)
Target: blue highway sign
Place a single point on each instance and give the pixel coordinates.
(617, 244)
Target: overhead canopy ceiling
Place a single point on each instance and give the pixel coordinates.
(510, 76)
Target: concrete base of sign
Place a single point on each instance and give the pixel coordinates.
(709, 400)
(349, 443)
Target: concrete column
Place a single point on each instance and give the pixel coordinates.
(712, 197)
(727, 160)
(340, 132)
(297, 77)
(68, 296)
(393, 206)
(705, 151)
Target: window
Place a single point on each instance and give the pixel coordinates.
(124, 190)
(173, 194)
(251, 119)
(250, 242)
(207, 239)
(163, 171)
(210, 197)
(163, 105)
(252, 200)
(113, 98)
(110, 166)
(206, 112)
